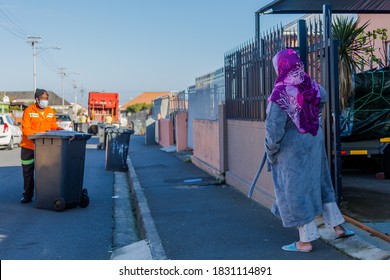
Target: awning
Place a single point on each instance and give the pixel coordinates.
(315, 7)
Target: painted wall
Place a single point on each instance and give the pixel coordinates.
(377, 21)
(165, 131)
(244, 154)
(209, 144)
(206, 154)
(181, 128)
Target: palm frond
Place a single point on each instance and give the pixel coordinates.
(351, 50)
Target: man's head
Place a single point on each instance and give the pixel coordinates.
(41, 98)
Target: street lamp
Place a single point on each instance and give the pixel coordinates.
(34, 40)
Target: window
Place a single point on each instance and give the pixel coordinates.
(64, 118)
(10, 120)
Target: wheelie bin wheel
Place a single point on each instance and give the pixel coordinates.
(59, 204)
(84, 200)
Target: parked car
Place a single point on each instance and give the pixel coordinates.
(64, 121)
(10, 133)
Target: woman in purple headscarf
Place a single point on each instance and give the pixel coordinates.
(295, 149)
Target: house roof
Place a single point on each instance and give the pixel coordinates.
(338, 7)
(145, 97)
(28, 97)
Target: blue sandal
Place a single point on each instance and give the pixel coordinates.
(347, 233)
(293, 248)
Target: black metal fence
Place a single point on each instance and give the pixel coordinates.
(242, 83)
(249, 72)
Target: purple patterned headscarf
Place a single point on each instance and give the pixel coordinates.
(295, 92)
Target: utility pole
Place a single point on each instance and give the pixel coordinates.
(74, 91)
(62, 75)
(34, 40)
(82, 91)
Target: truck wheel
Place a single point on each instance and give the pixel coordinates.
(59, 204)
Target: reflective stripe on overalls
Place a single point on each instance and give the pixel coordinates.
(28, 161)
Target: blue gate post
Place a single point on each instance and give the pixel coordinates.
(332, 122)
(337, 172)
(302, 42)
(257, 27)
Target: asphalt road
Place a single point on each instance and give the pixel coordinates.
(27, 232)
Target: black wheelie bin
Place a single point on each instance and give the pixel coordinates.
(102, 133)
(117, 146)
(59, 169)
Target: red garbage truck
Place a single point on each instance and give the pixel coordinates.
(103, 107)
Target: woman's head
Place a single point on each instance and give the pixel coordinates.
(295, 92)
(288, 63)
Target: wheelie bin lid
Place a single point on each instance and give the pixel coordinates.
(120, 130)
(64, 134)
(101, 124)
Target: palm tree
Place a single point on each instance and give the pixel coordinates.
(351, 51)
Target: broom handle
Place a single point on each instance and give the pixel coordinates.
(257, 175)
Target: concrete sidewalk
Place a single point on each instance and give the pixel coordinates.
(185, 214)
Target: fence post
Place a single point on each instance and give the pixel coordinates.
(332, 112)
(263, 94)
(302, 42)
(223, 139)
(257, 31)
(334, 71)
(325, 83)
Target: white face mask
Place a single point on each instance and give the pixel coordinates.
(43, 103)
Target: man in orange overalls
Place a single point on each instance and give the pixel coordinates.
(36, 118)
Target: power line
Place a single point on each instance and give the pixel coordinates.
(48, 61)
(10, 24)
